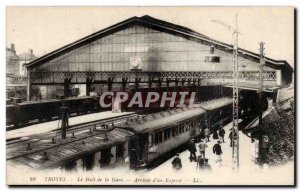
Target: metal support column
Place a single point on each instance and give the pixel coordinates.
(182, 82)
(67, 87)
(159, 82)
(260, 97)
(88, 86)
(137, 82)
(168, 83)
(198, 89)
(235, 113)
(28, 86)
(176, 84)
(150, 82)
(124, 82)
(109, 84)
(64, 114)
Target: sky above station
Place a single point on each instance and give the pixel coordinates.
(45, 29)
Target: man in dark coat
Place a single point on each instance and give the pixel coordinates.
(221, 134)
(217, 150)
(192, 149)
(176, 163)
(215, 135)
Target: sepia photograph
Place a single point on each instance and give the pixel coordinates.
(150, 96)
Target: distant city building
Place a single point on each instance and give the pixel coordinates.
(15, 77)
(12, 61)
(25, 58)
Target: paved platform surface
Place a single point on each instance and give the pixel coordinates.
(189, 168)
(52, 125)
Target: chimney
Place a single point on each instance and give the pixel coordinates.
(30, 51)
(12, 47)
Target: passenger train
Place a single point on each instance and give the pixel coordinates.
(143, 140)
(158, 134)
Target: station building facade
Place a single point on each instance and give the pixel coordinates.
(148, 51)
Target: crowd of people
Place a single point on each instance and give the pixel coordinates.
(201, 160)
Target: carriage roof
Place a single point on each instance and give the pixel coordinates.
(215, 104)
(38, 102)
(65, 151)
(164, 119)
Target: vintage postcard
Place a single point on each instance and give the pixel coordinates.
(150, 96)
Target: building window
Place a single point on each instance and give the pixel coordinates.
(212, 50)
(215, 59)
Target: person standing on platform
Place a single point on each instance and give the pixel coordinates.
(207, 134)
(217, 150)
(221, 134)
(215, 134)
(176, 163)
(200, 162)
(198, 132)
(232, 137)
(192, 149)
(202, 146)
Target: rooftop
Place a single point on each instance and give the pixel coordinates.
(156, 24)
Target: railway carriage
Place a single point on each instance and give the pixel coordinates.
(218, 112)
(10, 114)
(80, 105)
(37, 111)
(146, 139)
(157, 134)
(161, 133)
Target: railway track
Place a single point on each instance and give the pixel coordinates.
(72, 129)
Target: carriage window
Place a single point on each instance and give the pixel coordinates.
(175, 131)
(186, 126)
(158, 137)
(150, 139)
(167, 133)
(181, 128)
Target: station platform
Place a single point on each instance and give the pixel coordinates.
(52, 125)
(224, 174)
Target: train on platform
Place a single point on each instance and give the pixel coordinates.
(24, 113)
(156, 135)
(148, 139)
(19, 114)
